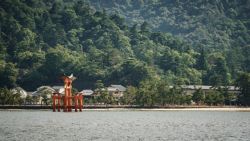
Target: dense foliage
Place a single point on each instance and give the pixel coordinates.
(199, 42)
(9, 97)
(219, 28)
(243, 81)
(42, 40)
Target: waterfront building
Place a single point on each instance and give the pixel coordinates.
(87, 93)
(117, 91)
(190, 89)
(42, 94)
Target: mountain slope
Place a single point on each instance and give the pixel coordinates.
(40, 41)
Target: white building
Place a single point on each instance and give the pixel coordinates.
(116, 91)
(190, 89)
(87, 93)
(43, 91)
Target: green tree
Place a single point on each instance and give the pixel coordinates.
(8, 75)
(163, 92)
(105, 97)
(187, 99)
(28, 99)
(219, 75)
(99, 86)
(228, 96)
(214, 97)
(69, 18)
(60, 60)
(144, 27)
(15, 99)
(243, 83)
(129, 97)
(8, 97)
(45, 99)
(5, 95)
(147, 93)
(132, 72)
(198, 96)
(35, 99)
(176, 92)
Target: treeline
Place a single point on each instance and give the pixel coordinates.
(158, 92)
(149, 93)
(17, 97)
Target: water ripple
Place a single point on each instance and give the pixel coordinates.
(124, 126)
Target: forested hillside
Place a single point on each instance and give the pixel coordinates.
(189, 43)
(217, 26)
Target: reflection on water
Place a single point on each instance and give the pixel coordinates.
(124, 125)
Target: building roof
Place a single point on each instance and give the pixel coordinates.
(42, 90)
(111, 89)
(205, 87)
(118, 87)
(193, 87)
(59, 89)
(35, 93)
(45, 88)
(29, 93)
(87, 92)
(232, 88)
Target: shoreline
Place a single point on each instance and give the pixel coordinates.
(131, 108)
(173, 109)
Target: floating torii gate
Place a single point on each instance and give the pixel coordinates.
(68, 100)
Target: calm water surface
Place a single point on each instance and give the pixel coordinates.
(124, 125)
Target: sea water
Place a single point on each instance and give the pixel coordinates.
(128, 125)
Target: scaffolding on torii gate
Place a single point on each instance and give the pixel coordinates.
(68, 101)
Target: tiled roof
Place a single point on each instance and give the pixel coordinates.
(112, 89)
(205, 87)
(35, 93)
(87, 92)
(59, 89)
(118, 87)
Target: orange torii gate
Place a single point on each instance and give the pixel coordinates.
(67, 99)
